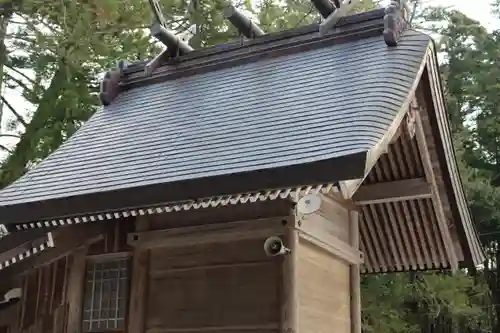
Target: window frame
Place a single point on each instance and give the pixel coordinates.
(102, 259)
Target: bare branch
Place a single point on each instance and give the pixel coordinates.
(18, 81)
(7, 135)
(29, 22)
(10, 136)
(11, 108)
(416, 4)
(17, 71)
(2, 147)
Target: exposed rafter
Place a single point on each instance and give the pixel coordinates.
(245, 26)
(436, 199)
(26, 249)
(66, 239)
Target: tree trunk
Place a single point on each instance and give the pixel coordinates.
(25, 151)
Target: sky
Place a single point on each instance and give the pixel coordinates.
(476, 9)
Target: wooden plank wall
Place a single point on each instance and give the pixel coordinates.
(323, 291)
(229, 286)
(43, 307)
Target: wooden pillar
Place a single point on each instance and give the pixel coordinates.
(355, 283)
(138, 291)
(139, 283)
(75, 290)
(289, 315)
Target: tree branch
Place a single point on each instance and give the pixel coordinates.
(29, 22)
(2, 147)
(11, 108)
(10, 136)
(414, 10)
(25, 151)
(17, 71)
(19, 82)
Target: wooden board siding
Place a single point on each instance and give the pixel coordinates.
(229, 286)
(43, 306)
(323, 291)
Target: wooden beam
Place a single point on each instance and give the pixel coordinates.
(138, 291)
(19, 242)
(334, 246)
(18, 238)
(436, 199)
(400, 190)
(66, 240)
(208, 233)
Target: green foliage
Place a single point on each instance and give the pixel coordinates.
(385, 299)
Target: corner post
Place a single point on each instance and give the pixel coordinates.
(75, 290)
(139, 283)
(355, 283)
(289, 315)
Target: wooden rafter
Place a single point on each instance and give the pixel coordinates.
(18, 242)
(66, 239)
(400, 190)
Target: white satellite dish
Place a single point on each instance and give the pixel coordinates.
(309, 204)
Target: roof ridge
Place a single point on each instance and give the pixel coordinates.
(391, 22)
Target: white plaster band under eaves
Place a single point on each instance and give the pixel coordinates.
(37, 246)
(291, 193)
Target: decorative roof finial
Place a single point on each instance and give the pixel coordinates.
(110, 85)
(396, 20)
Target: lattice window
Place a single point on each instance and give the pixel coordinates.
(106, 295)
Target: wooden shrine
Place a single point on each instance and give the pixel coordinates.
(243, 187)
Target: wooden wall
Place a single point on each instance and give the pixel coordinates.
(232, 286)
(323, 291)
(43, 305)
(47, 290)
(184, 281)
